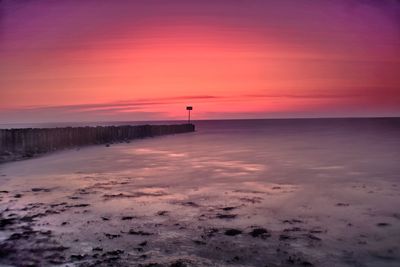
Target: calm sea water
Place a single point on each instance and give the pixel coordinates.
(285, 147)
(370, 145)
(300, 149)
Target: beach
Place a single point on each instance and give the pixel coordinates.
(240, 193)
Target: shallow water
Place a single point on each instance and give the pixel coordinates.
(323, 192)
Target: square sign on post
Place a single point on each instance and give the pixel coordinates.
(189, 108)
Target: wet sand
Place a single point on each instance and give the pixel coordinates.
(168, 202)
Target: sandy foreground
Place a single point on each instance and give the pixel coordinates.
(155, 203)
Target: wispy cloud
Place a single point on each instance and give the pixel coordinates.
(318, 96)
(256, 105)
(134, 109)
(117, 105)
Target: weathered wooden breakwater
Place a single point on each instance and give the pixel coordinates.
(23, 143)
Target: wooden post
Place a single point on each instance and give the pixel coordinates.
(189, 108)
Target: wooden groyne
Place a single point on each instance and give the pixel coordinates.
(27, 142)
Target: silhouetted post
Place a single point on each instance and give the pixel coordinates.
(189, 108)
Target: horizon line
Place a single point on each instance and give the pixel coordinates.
(220, 119)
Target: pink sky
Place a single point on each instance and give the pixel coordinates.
(146, 60)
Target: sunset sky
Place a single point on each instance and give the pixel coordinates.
(100, 60)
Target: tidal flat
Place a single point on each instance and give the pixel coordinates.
(227, 195)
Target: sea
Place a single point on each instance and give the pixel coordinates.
(301, 192)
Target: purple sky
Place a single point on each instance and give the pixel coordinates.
(145, 60)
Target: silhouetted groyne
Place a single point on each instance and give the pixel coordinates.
(25, 143)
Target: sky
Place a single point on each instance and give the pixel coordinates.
(121, 60)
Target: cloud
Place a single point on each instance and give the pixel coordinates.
(139, 109)
(319, 96)
(360, 100)
(116, 105)
(389, 93)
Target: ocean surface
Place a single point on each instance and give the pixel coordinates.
(324, 192)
